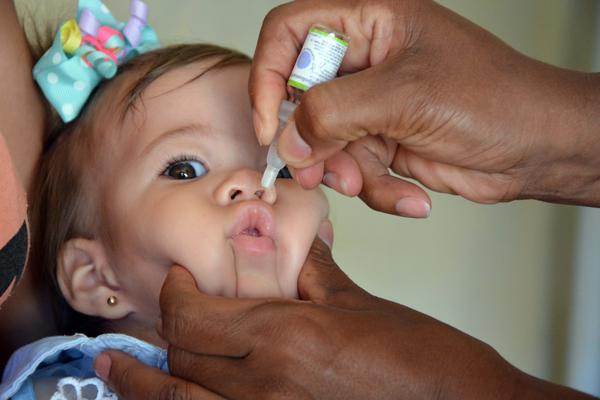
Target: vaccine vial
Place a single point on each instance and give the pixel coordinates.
(319, 61)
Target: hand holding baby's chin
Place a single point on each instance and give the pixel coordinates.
(338, 328)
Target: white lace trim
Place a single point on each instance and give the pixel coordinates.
(82, 389)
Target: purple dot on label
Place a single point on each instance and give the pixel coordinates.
(304, 60)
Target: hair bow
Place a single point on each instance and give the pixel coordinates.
(89, 50)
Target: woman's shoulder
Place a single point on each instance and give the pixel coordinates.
(41, 19)
(13, 226)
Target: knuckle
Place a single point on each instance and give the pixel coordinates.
(170, 306)
(304, 327)
(383, 9)
(175, 390)
(122, 378)
(175, 359)
(265, 314)
(291, 329)
(276, 24)
(275, 325)
(178, 321)
(274, 14)
(372, 195)
(180, 361)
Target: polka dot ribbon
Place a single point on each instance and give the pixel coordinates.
(89, 50)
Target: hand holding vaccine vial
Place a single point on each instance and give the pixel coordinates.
(318, 62)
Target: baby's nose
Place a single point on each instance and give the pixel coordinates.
(243, 185)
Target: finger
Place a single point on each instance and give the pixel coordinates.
(281, 370)
(310, 177)
(335, 113)
(323, 282)
(205, 324)
(340, 172)
(133, 380)
(381, 191)
(280, 40)
(477, 186)
(274, 57)
(216, 373)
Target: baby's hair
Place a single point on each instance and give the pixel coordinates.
(63, 206)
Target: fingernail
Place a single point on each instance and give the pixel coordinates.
(344, 186)
(414, 208)
(333, 181)
(330, 179)
(293, 147)
(300, 178)
(325, 233)
(102, 366)
(258, 127)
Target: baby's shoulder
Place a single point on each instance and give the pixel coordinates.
(61, 367)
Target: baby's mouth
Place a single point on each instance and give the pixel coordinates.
(251, 232)
(254, 251)
(254, 228)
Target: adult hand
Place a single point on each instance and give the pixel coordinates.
(339, 342)
(432, 97)
(132, 380)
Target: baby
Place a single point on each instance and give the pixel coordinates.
(161, 167)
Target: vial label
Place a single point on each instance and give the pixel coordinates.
(319, 60)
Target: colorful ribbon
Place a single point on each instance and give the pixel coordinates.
(88, 51)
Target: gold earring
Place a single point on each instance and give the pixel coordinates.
(112, 301)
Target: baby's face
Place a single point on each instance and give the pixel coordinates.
(184, 188)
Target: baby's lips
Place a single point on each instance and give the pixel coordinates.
(254, 215)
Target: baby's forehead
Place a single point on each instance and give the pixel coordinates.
(133, 86)
(179, 77)
(189, 95)
(135, 101)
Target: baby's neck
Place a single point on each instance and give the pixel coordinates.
(139, 330)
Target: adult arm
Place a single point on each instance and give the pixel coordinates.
(21, 126)
(433, 97)
(21, 107)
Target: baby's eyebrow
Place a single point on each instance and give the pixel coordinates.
(186, 130)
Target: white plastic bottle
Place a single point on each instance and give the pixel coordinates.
(319, 61)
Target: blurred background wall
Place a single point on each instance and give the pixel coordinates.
(504, 274)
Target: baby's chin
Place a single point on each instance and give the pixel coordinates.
(262, 274)
(258, 287)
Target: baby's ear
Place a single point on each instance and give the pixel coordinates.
(87, 280)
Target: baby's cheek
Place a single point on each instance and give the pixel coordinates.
(194, 240)
(301, 224)
(294, 255)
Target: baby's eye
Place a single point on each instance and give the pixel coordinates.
(188, 169)
(284, 173)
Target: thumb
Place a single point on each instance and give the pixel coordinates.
(323, 282)
(333, 114)
(131, 379)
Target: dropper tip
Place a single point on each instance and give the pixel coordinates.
(269, 176)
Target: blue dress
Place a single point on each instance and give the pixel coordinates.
(57, 367)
